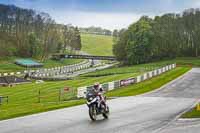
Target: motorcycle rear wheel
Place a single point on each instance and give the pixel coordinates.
(106, 113)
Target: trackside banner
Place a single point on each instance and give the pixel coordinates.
(126, 82)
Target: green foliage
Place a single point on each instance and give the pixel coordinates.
(27, 33)
(96, 30)
(76, 42)
(138, 46)
(34, 45)
(72, 39)
(167, 36)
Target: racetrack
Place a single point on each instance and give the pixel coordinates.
(149, 113)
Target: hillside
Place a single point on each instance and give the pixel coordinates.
(92, 44)
(97, 44)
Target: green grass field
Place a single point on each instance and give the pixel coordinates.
(97, 44)
(24, 99)
(193, 113)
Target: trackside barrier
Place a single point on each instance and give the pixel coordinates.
(116, 84)
(167, 68)
(150, 74)
(145, 76)
(138, 79)
(155, 73)
(111, 86)
(105, 86)
(81, 91)
(51, 71)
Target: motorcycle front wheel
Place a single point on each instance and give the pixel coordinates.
(93, 113)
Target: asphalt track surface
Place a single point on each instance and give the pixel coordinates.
(155, 112)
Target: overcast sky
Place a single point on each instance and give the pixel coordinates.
(110, 14)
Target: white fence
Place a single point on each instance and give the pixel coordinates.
(81, 91)
(46, 72)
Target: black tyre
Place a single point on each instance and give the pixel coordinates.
(106, 114)
(93, 113)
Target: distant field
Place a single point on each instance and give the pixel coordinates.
(97, 44)
(92, 44)
(24, 98)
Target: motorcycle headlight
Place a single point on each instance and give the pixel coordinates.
(90, 98)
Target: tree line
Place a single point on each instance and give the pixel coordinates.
(164, 37)
(96, 30)
(28, 33)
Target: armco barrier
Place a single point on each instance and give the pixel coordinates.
(150, 74)
(145, 76)
(138, 79)
(126, 82)
(105, 86)
(111, 85)
(167, 68)
(164, 69)
(159, 71)
(155, 73)
(5, 74)
(51, 71)
(81, 91)
(116, 84)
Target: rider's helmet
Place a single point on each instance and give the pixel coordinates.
(96, 86)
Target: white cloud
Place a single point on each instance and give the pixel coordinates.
(195, 3)
(113, 19)
(105, 20)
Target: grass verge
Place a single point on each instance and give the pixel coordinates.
(149, 85)
(33, 108)
(24, 100)
(193, 113)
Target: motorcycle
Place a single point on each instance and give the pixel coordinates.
(94, 110)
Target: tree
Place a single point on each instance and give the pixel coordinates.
(168, 36)
(77, 40)
(27, 33)
(34, 49)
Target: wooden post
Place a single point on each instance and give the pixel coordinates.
(59, 97)
(39, 96)
(7, 100)
(1, 100)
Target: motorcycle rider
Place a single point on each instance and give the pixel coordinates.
(99, 93)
